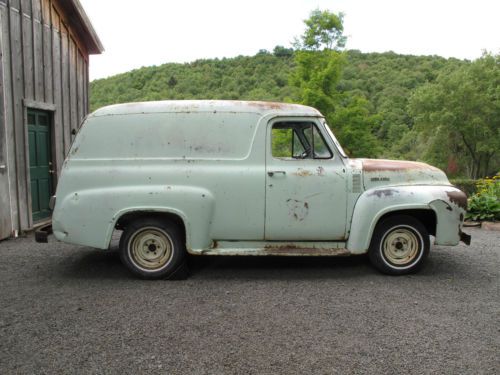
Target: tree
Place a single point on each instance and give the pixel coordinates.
(461, 112)
(316, 75)
(318, 63)
(280, 51)
(324, 31)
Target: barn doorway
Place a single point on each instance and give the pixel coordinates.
(41, 168)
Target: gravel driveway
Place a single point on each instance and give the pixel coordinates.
(69, 309)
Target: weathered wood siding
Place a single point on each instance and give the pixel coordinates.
(44, 65)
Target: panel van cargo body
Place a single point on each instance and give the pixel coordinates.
(244, 178)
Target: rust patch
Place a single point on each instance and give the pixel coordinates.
(458, 197)
(295, 250)
(302, 173)
(267, 105)
(377, 165)
(383, 193)
(297, 209)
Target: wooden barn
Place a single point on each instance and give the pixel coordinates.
(44, 83)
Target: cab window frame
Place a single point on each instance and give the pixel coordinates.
(298, 132)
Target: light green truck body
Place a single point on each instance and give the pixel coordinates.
(210, 166)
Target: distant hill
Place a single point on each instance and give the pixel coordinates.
(385, 79)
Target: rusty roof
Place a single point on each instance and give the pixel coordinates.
(186, 106)
(82, 25)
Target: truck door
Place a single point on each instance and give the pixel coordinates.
(306, 187)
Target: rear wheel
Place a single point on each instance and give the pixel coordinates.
(152, 248)
(400, 245)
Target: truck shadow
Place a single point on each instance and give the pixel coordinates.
(273, 267)
(98, 264)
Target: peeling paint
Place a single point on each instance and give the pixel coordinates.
(458, 197)
(376, 165)
(297, 209)
(383, 193)
(302, 173)
(291, 249)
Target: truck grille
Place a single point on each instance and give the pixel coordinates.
(356, 183)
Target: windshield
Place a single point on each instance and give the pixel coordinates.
(337, 144)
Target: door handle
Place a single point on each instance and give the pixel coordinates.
(272, 173)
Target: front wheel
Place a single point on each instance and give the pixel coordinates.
(399, 245)
(152, 248)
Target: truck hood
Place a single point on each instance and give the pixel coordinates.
(379, 172)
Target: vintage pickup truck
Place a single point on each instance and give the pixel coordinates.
(244, 178)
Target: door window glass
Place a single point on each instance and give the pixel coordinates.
(298, 140)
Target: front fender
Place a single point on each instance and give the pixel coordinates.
(88, 217)
(447, 203)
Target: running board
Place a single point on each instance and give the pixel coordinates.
(262, 248)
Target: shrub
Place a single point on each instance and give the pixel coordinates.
(485, 204)
(466, 185)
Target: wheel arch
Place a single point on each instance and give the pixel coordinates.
(374, 206)
(426, 216)
(126, 216)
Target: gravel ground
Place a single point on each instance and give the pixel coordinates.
(69, 309)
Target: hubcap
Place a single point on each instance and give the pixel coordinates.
(401, 246)
(151, 248)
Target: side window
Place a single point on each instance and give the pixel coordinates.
(282, 142)
(298, 140)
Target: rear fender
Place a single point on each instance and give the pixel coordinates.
(88, 217)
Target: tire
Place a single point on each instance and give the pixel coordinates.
(152, 248)
(399, 246)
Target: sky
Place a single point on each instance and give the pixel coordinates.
(153, 32)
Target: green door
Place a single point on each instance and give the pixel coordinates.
(40, 163)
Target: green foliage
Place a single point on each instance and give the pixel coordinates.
(318, 67)
(324, 30)
(282, 143)
(485, 204)
(261, 77)
(316, 76)
(466, 185)
(460, 114)
(355, 127)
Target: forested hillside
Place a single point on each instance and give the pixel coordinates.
(374, 93)
(386, 79)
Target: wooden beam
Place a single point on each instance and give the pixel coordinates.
(39, 105)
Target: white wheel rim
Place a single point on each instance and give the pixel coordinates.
(401, 246)
(150, 249)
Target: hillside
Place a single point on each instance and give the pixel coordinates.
(378, 76)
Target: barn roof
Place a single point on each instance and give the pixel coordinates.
(82, 25)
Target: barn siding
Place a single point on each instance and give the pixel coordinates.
(6, 217)
(8, 115)
(44, 65)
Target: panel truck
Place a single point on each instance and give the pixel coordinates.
(244, 178)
